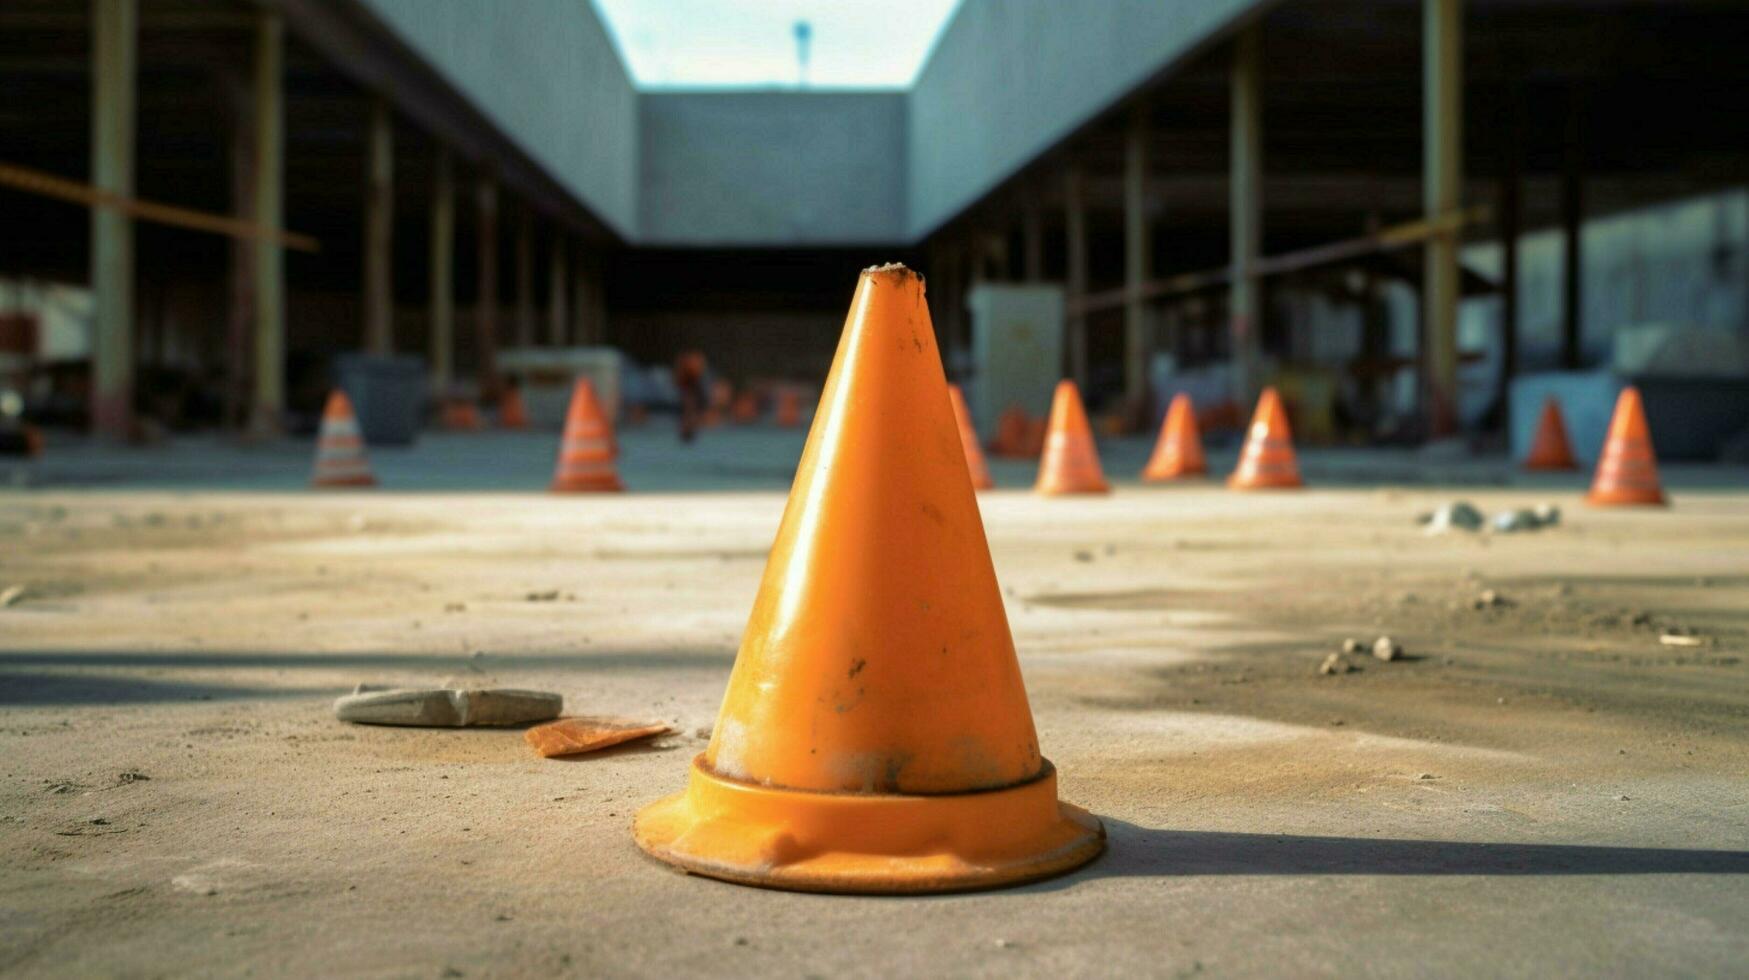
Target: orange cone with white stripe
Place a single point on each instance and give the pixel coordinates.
(512, 413)
(587, 453)
(1267, 461)
(1627, 471)
(1550, 450)
(340, 458)
(1178, 454)
(1071, 462)
(969, 439)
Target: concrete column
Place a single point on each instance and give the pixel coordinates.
(558, 272)
(1245, 215)
(1075, 231)
(1442, 162)
(582, 330)
(269, 211)
(1032, 236)
(1138, 258)
(486, 313)
(443, 274)
(524, 277)
(379, 224)
(1510, 208)
(1572, 229)
(114, 53)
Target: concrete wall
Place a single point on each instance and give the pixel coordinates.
(547, 73)
(1010, 78)
(770, 168)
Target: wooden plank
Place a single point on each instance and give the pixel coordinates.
(43, 184)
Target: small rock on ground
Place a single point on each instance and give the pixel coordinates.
(1387, 649)
(1459, 515)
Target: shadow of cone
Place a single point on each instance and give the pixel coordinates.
(1178, 453)
(1070, 463)
(512, 413)
(1627, 471)
(1550, 450)
(975, 465)
(340, 458)
(1267, 462)
(587, 449)
(876, 736)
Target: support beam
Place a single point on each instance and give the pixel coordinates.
(1075, 232)
(443, 274)
(1442, 161)
(1572, 235)
(1137, 258)
(1245, 215)
(486, 312)
(114, 62)
(1032, 235)
(379, 225)
(558, 272)
(269, 211)
(581, 329)
(524, 277)
(1510, 212)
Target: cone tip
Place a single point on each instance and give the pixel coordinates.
(897, 270)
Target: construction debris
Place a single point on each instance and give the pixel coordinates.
(446, 707)
(1680, 640)
(1386, 649)
(1334, 664)
(1459, 515)
(11, 595)
(575, 736)
(1351, 645)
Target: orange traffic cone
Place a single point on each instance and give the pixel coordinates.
(789, 408)
(746, 408)
(461, 415)
(969, 439)
(340, 458)
(1627, 471)
(587, 453)
(875, 736)
(1071, 462)
(1550, 449)
(1178, 454)
(1267, 462)
(512, 413)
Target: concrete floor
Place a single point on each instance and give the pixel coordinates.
(1541, 788)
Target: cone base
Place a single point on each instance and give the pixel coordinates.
(1166, 475)
(857, 843)
(343, 482)
(1533, 467)
(1290, 484)
(587, 486)
(1066, 491)
(1626, 498)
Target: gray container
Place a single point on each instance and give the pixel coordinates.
(387, 392)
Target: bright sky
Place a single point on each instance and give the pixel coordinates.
(752, 43)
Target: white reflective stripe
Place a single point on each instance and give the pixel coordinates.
(585, 446)
(325, 453)
(339, 427)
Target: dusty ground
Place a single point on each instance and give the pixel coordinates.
(1542, 787)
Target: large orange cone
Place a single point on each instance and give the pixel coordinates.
(980, 472)
(1550, 449)
(512, 413)
(1267, 462)
(1178, 453)
(1071, 462)
(745, 409)
(876, 736)
(1627, 472)
(340, 458)
(588, 450)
